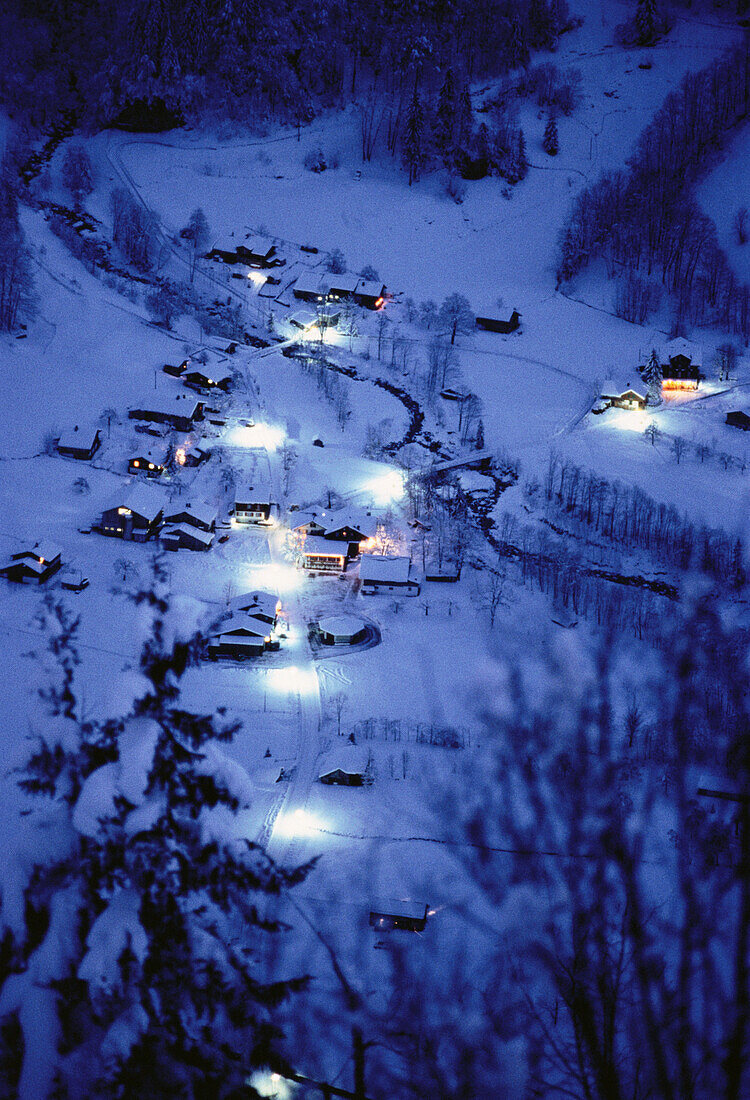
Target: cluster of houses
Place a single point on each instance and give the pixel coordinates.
(141, 513)
(250, 628)
(330, 289)
(681, 366)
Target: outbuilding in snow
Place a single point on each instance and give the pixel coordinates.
(179, 411)
(32, 565)
(311, 288)
(389, 914)
(739, 419)
(152, 462)
(182, 536)
(206, 379)
(80, 442)
(500, 324)
(199, 514)
(344, 766)
(341, 630)
(370, 294)
(392, 574)
(261, 605)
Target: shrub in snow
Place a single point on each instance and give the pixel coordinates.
(337, 262)
(131, 936)
(315, 161)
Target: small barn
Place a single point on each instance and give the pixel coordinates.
(183, 536)
(620, 396)
(257, 512)
(261, 605)
(739, 419)
(176, 371)
(310, 288)
(79, 442)
(258, 252)
(341, 630)
(344, 766)
(198, 514)
(179, 411)
(324, 555)
(393, 574)
(152, 462)
(136, 518)
(500, 324)
(369, 294)
(244, 636)
(390, 914)
(342, 286)
(33, 565)
(303, 320)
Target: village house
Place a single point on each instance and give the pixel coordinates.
(681, 363)
(311, 288)
(303, 320)
(33, 565)
(323, 555)
(345, 766)
(199, 514)
(80, 443)
(190, 454)
(183, 536)
(356, 529)
(390, 914)
(136, 518)
(341, 630)
(261, 605)
(258, 252)
(393, 574)
(178, 370)
(256, 512)
(205, 378)
(499, 324)
(342, 286)
(739, 419)
(180, 411)
(624, 397)
(369, 293)
(152, 462)
(244, 636)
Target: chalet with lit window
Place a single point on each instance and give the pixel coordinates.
(322, 555)
(356, 530)
(261, 605)
(681, 365)
(255, 512)
(619, 396)
(180, 411)
(80, 442)
(345, 766)
(176, 371)
(500, 324)
(311, 288)
(341, 287)
(391, 914)
(369, 293)
(387, 575)
(136, 517)
(204, 379)
(258, 252)
(151, 463)
(34, 565)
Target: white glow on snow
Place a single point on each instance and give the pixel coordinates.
(275, 577)
(270, 1085)
(298, 823)
(632, 422)
(302, 681)
(260, 435)
(387, 488)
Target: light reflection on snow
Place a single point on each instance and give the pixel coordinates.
(303, 681)
(387, 488)
(270, 1085)
(298, 823)
(631, 421)
(275, 577)
(260, 435)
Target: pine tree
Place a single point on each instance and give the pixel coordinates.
(445, 115)
(480, 435)
(77, 172)
(136, 973)
(464, 118)
(413, 134)
(550, 141)
(645, 21)
(652, 376)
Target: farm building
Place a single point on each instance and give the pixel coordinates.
(244, 636)
(739, 419)
(499, 324)
(345, 766)
(258, 252)
(32, 566)
(624, 397)
(136, 517)
(394, 574)
(179, 411)
(370, 294)
(311, 288)
(80, 443)
(342, 286)
(323, 555)
(204, 378)
(176, 371)
(152, 462)
(388, 914)
(356, 529)
(262, 605)
(184, 536)
(257, 512)
(199, 514)
(341, 630)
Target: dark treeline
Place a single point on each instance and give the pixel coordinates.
(646, 219)
(629, 518)
(253, 58)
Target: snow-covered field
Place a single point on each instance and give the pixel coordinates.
(91, 349)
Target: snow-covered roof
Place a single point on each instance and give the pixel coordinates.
(213, 376)
(311, 283)
(251, 497)
(200, 510)
(349, 759)
(358, 521)
(370, 289)
(346, 284)
(341, 626)
(259, 246)
(612, 388)
(173, 529)
(379, 570)
(398, 907)
(47, 551)
(157, 453)
(298, 520)
(302, 319)
(79, 437)
(180, 404)
(316, 544)
(143, 500)
(681, 346)
(266, 602)
(246, 624)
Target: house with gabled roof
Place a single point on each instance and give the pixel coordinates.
(262, 605)
(345, 765)
(181, 411)
(152, 462)
(369, 293)
(183, 536)
(387, 574)
(81, 442)
(619, 396)
(32, 565)
(198, 514)
(137, 515)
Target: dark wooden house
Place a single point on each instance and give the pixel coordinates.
(180, 411)
(499, 324)
(80, 443)
(256, 512)
(389, 914)
(369, 294)
(136, 518)
(739, 419)
(32, 566)
(345, 767)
